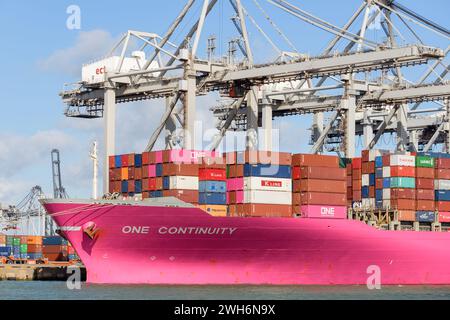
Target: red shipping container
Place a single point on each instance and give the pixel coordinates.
(296, 185)
(145, 195)
(357, 174)
(296, 173)
(444, 217)
(264, 210)
(138, 173)
(329, 186)
(181, 169)
(443, 163)
(349, 181)
(425, 205)
(372, 192)
(239, 170)
(112, 162)
(323, 173)
(406, 215)
(131, 173)
(368, 167)
(349, 193)
(443, 174)
(379, 183)
(409, 194)
(357, 196)
(116, 187)
(332, 199)
(349, 169)
(443, 205)
(426, 173)
(397, 171)
(296, 198)
(386, 159)
(159, 183)
(314, 160)
(131, 160)
(144, 171)
(124, 159)
(365, 156)
(356, 163)
(131, 188)
(423, 194)
(212, 175)
(403, 204)
(357, 185)
(422, 183)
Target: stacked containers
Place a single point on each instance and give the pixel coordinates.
(34, 247)
(213, 186)
(54, 248)
(319, 187)
(5, 249)
(235, 183)
(399, 185)
(356, 181)
(125, 174)
(371, 198)
(442, 186)
(264, 180)
(425, 202)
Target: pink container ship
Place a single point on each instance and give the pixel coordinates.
(166, 241)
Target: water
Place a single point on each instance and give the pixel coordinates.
(11, 290)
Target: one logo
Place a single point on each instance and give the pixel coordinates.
(327, 211)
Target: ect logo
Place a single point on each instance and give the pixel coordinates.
(73, 21)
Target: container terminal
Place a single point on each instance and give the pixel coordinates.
(270, 202)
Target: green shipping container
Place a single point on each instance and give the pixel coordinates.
(9, 240)
(424, 162)
(16, 241)
(23, 248)
(406, 183)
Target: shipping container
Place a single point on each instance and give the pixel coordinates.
(443, 163)
(443, 174)
(441, 184)
(425, 216)
(267, 184)
(424, 162)
(424, 194)
(268, 197)
(183, 183)
(422, 183)
(406, 215)
(401, 182)
(212, 198)
(189, 196)
(212, 186)
(403, 171)
(443, 205)
(173, 169)
(264, 210)
(442, 195)
(312, 160)
(215, 210)
(264, 170)
(53, 240)
(402, 160)
(318, 198)
(212, 174)
(427, 173)
(331, 186)
(444, 217)
(323, 173)
(321, 211)
(425, 205)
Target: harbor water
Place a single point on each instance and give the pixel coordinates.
(46, 290)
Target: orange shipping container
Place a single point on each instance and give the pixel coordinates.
(406, 215)
(112, 162)
(173, 169)
(422, 194)
(313, 160)
(422, 183)
(403, 204)
(403, 194)
(265, 157)
(190, 196)
(332, 199)
(264, 210)
(426, 173)
(323, 173)
(357, 185)
(443, 174)
(368, 167)
(443, 163)
(425, 205)
(443, 205)
(37, 240)
(124, 173)
(331, 186)
(34, 248)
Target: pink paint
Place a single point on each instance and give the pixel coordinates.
(444, 216)
(152, 171)
(158, 156)
(240, 183)
(239, 196)
(136, 245)
(231, 184)
(319, 211)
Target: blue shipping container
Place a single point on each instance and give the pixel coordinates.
(378, 162)
(372, 179)
(379, 204)
(379, 194)
(212, 186)
(434, 154)
(53, 241)
(212, 198)
(156, 194)
(425, 216)
(386, 183)
(159, 169)
(166, 183)
(442, 195)
(138, 186)
(124, 186)
(267, 170)
(365, 192)
(379, 173)
(34, 256)
(5, 251)
(138, 160)
(117, 161)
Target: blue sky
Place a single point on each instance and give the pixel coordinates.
(39, 54)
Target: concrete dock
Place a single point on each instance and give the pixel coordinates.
(47, 272)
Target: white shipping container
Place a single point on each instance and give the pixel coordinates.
(365, 181)
(403, 160)
(442, 184)
(183, 183)
(386, 172)
(268, 197)
(368, 202)
(267, 184)
(386, 194)
(386, 204)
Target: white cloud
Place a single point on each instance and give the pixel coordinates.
(88, 46)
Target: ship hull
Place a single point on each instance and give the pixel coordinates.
(140, 244)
